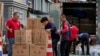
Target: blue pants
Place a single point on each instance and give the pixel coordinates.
(10, 44)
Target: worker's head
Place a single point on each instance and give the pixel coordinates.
(44, 20)
(62, 17)
(16, 15)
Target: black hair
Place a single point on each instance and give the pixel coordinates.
(44, 19)
(62, 15)
(15, 13)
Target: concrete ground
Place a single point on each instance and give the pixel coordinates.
(97, 46)
(70, 55)
(5, 55)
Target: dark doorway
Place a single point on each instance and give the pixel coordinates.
(82, 14)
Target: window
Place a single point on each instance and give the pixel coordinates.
(38, 5)
(34, 4)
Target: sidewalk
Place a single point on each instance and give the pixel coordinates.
(70, 55)
(97, 46)
(5, 55)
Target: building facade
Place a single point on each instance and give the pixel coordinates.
(32, 8)
(11, 6)
(39, 8)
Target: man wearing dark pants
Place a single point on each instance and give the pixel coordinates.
(65, 48)
(12, 25)
(55, 36)
(84, 38)
(66, 34)
(74, 32)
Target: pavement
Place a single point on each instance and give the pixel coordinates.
(97, 46)
(70, 55)
(5, 55)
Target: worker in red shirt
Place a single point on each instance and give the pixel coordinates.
(74, 32)
(12, 24)
(66, 35)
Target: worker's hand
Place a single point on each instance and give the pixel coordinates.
(89, 39)
(10, 30)
(48, 30)
(58, 31)
(59, 42)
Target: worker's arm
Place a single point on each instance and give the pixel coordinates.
(8, 26)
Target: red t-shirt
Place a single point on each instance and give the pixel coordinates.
(74, 31)
(14, 25)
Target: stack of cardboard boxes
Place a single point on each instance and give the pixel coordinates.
(23, 37)
(1, 16)
(31, 41)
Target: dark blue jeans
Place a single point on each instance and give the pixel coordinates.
(10, 44)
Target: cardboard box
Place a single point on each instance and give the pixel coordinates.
(42, 50)
(44, 37)
(34, 23)
(39, 37)
(26, 37)
(33, 50)
(17, 36)
(21, 50)
(36, 36)
(38, 50)
(37, 24)
(30, 23)
(23, 36)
